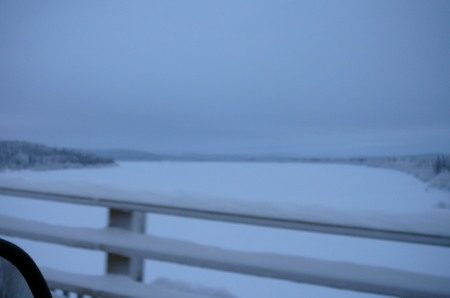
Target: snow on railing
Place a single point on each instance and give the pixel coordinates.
(127, 245)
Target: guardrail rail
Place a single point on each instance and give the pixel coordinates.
(127, 246)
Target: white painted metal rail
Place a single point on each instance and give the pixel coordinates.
(127, 246)
(382, 234)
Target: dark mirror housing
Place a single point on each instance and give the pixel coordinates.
(19, 275)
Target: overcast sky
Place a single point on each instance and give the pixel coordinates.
(310, 78)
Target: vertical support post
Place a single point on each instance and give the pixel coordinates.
(118, 264)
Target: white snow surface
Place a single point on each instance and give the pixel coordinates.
(342, 194)
(335, 194)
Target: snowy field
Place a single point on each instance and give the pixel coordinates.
(344, 189)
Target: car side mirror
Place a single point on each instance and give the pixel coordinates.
(19, 275)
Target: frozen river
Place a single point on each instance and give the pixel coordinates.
(316, 186)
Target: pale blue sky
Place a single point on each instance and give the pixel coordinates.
(300, 77)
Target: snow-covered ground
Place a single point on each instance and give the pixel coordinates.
(345, 189)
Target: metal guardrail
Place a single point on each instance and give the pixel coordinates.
(127, 221)
(300, 225)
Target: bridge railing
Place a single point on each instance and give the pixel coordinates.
(127, 246)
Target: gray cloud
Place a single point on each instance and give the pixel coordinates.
(316, 77)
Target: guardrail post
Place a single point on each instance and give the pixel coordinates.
(118, 264)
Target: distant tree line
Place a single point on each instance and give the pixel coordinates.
(18, 155)
(441, 164)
